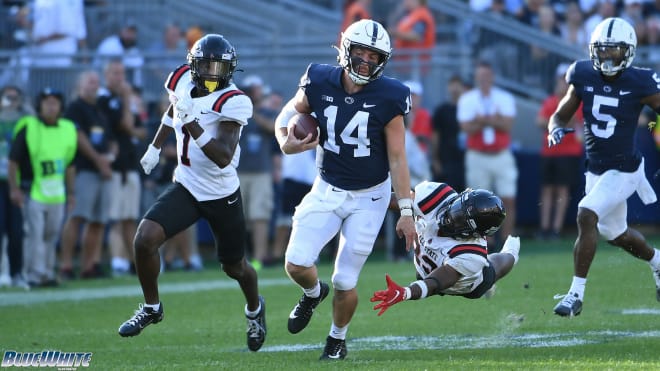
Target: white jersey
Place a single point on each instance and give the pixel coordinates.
(466, 256)
(203, 178)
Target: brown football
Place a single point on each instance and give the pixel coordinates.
(303, 124)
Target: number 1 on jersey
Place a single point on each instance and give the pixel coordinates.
(360, 121)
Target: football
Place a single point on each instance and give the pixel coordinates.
(303, 124)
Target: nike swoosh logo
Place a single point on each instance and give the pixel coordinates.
(205, 111)
(292, 315)
(368, 105)
(334, 356)
(624, 92)
(375, 198)
(335, 189)
(395, 296)
(232, 201)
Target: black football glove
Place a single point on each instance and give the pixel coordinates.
(557, 134)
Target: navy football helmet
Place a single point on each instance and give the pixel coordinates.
(475, 213)
(212, 61)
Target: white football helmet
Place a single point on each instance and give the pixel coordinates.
(367, 34)
(612, 46)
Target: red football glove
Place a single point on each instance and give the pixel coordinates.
(394, 294)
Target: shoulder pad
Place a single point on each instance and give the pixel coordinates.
(223, 98)
(175, 76)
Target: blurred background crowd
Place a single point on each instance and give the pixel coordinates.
(105, 59)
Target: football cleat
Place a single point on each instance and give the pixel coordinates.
(302, 312)
(656, 276)
(144, 316)
(569, 306)
(256, 331)
(334, 349)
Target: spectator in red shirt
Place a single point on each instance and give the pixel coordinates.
(419, 118)
(560, 165)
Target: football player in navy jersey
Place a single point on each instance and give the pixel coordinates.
(361, 157)
(613, 93)
(206, 116)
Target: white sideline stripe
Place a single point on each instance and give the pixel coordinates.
(449, 342)
(641, 311)
(43, 296)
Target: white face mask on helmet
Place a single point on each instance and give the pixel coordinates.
(366, 34)
(612, 46)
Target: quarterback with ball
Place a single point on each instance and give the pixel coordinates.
(361, 157)
(451, 257)
(612, 93)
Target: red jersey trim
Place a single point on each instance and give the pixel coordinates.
(436, 197)
(176, 76)
(468, 249)
(220, 102)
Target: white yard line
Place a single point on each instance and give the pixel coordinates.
(47, 296)
(448, 342)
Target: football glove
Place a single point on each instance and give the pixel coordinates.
(150, 159)
(185, 109)
(394, 294)
(557, 134)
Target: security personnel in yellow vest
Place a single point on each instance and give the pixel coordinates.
(43, 150)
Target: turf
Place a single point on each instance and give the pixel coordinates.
(204, 325)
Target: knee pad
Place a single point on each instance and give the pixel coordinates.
(343, 282)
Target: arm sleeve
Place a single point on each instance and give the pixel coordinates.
(19, 149)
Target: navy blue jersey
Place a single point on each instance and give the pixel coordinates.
(352, 126)
(611, 110)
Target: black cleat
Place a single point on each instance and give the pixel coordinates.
(570, 306)
(256, 331)
(302, 312)
(143, 317)
(334, 349)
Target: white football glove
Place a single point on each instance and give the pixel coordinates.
(185, 109)
(557, 134)
(150, 159)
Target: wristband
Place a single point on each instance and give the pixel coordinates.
(203, 139)
(406, 293)
(405, 207)
(422, 285)
(405, 203)
(167, 120)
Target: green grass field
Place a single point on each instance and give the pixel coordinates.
(204, 326)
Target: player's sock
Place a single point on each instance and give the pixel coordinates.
(655, 260)
(252, 314)
(577, 286)
(315, 291)
(338, 332)
(154, 307)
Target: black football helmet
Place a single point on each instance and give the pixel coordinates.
(475, 213)
(212, 61)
